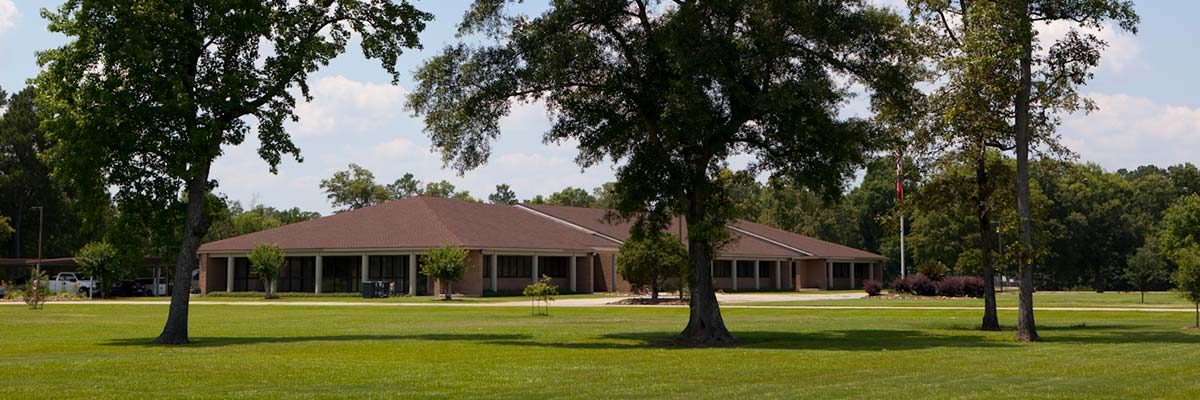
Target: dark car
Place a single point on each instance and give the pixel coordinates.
(129, 289)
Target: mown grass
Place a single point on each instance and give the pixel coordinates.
(101, 351)
(1009, 299)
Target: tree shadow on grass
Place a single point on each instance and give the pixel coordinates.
(1105, 333)
(849, 340)
(205, 341)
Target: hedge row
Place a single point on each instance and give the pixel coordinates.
(950, 286)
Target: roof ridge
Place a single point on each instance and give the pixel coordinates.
(437, 217)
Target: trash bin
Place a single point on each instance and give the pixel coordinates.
(374, 290)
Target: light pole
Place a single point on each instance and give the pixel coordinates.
(41, 213)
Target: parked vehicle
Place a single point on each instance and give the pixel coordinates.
(129, 288)
(69, 282)
(148, 283)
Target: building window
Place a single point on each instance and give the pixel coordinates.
(745, 269)
(554, 267)
(721, 268)
(514, 266)
(387, 268)
(841, 270)
(764, 269)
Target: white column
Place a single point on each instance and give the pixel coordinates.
(572, 274)
(778, 275)
(492, 272)
(412, 274)
(535, 268)
(757, 286)
(229, 274)
(613, 263)
(320, 272)
(733, 273)
(365, 270)
(852, 276)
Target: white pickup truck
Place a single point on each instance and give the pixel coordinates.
(68, 282)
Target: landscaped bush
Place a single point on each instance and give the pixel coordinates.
(923, 286)
(873, 287)
(961, 286)
(933, 270)
(902, 285)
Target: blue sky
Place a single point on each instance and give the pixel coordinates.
(1146, 88)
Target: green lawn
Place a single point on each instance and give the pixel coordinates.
(100, 351)
(354, 299)
(1009, 299)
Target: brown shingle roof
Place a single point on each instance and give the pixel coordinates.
(810, 245)
(593, 219)
(420, 222)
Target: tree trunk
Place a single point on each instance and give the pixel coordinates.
(1098, 279)
(196, 225)
(705, 325)
(1143, 297)
(990, 321)
(1026, 328)
(446, 291)
(654, 291)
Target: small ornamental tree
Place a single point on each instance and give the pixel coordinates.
(648, 260)
(446, 265)
(540, 294)
(265, 262)
(1187, 277)
(1144, 269)
(36, 291)
(100, 260)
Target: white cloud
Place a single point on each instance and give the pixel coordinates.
(8, 15)
(1123, 52)
(343, 105)
(1128, 131)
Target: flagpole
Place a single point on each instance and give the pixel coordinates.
(902, 273)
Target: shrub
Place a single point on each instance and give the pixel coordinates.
(447, 265)
(923, 286)
(540, 294)
(950, 286)
(902, 285)
(265, 262)
(960, 286)
(37, 290)
(872, 287)
(933, 270)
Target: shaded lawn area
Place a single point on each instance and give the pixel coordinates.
(100, 351)
(285, 297)
(1009, 299)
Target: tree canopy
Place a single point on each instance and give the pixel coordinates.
(672, 91)
(142, 99)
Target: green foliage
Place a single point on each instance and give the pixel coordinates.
(265, 262)
(1145, 268)
(503, 195)
(1180, 228)
(1187, 277)
(447, 265)
(147, 118)
(933, 270)
(6, 229)
(654, 88)
(354, 188)
(571, 196)
(100, 260)
(37, 290)
(649, 260)
(540, 294)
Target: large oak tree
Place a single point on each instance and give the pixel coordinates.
(146, 94)
(669, 90)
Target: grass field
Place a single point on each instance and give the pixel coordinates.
(101, 351)
(1009, 299)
